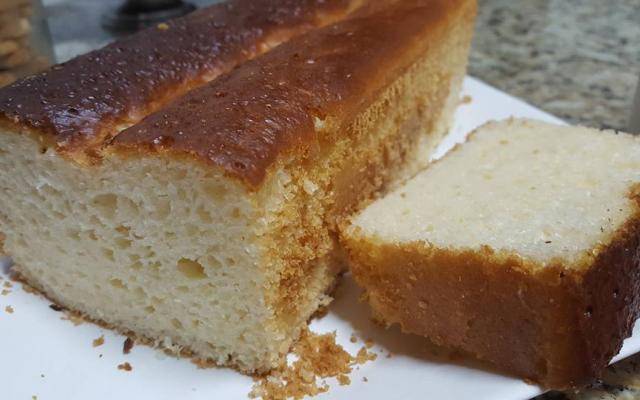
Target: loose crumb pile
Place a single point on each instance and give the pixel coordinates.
(125, 367)
(99, 341)
(318, 357)
(9, 309)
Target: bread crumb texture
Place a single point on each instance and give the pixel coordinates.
(127, 345)
(317, 357)
(99, 341)
(125, 367)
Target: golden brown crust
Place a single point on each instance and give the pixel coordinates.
(245, 120)
(84, 101)
(559, 326)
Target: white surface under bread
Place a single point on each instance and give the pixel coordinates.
(34, 340)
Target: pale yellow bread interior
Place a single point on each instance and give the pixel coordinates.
(542, 191)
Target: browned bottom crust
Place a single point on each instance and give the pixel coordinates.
(558, 327)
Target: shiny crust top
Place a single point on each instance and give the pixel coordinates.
(82, 102)
(267, 108)
(188, 89)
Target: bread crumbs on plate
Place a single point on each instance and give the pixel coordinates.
(75, 319)
(125, 367)
(127, 345)
(364, 355)
(99, 341)
(5, 292)
(344, 380)
(9, 309)
(316, 357)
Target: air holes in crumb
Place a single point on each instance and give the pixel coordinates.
(117, 283)
(163, 208)
(139, 293)
(216, 192)
(195, 323)
(123, 243)
(204, 215)
(43, 150)
(235, 213)
(191, 269)
(176, 324)
(150, 309)
(108, 253)
(213, 262)
(123, 230)
(182, 289)
(106, 204)
(127, 206)
(231, 261)
(136, 265)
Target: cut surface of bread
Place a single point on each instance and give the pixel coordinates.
(211, 223)
(519, 247)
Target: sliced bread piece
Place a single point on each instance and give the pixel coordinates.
(210, 224)
(519, 247)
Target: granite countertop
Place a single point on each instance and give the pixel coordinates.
(577, 59)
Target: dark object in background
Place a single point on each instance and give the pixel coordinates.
(134, 15)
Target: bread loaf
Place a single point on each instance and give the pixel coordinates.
(201, 212)
(519, 247)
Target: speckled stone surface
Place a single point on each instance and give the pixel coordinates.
(577, 59)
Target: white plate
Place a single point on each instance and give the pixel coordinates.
(35, 341)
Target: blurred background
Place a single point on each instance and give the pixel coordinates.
(577, 59)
